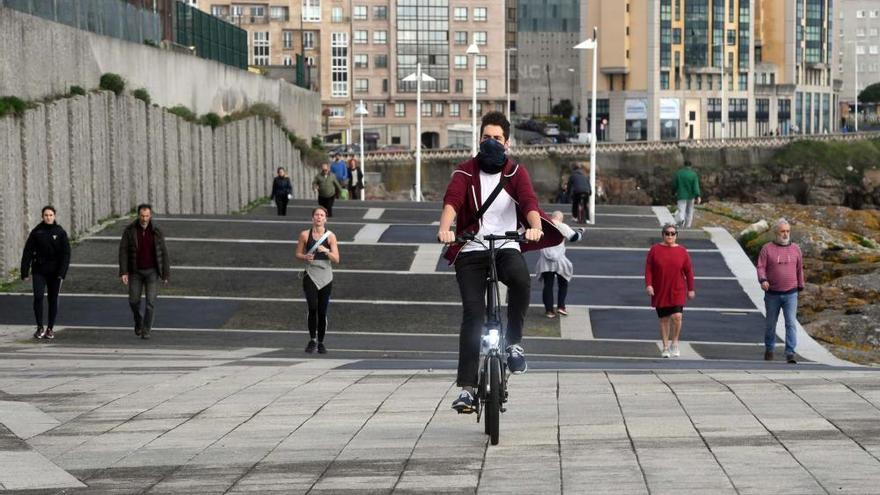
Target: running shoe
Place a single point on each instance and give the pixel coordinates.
(311, 347)
(516, 360)
(674, 350)
(40, 333)
(50, 334)
(665, 352)
(464, 404)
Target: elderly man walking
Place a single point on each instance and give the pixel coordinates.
(781, 273)
(686, 185)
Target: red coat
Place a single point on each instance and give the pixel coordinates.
(668, 269)
(464, 195)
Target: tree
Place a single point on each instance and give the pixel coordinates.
(871, 94)
(564, 109)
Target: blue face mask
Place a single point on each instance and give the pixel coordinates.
(491, 157)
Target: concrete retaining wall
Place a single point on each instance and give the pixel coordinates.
(100, 155)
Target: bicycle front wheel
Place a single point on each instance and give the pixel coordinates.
(493, 398)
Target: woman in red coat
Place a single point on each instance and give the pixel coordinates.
(669, 275)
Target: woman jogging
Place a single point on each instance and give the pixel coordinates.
(46, 258)
(669, 275)
(318, 248)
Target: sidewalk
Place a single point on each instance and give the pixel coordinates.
(172, 420)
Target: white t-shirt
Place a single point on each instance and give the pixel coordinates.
(499, 218)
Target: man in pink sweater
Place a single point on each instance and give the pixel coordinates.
(781, 273)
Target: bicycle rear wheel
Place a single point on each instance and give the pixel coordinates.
(493, 398)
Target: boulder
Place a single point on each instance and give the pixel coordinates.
(857, 328)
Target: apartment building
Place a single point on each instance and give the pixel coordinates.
(703, 69)
(858, 45)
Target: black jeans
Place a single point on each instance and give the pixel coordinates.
(472, 271)
(576, 200)
(548, 290)
(281, 203)
(327, 203)
(318, 301)
(41, 283)
(354, 192)
(141, 281)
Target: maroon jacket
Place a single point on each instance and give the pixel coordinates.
(464, 195)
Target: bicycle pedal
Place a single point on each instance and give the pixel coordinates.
(503, 409)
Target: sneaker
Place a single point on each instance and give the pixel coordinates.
(665, 352)
(311, 347)
(50, 334)
(321, 348)
(137, 330)
(789, 358)
(145, 334)
(768, 355)
(674, 350)
(464, 404)
(516, 361)
(40, 333)
(561, 310)
(550, 314)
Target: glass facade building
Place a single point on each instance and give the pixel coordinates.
(423, 37)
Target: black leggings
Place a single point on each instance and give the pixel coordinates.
(41, 282)
(548, 277)
(281, 204)
(318, 300)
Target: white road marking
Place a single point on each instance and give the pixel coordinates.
(370, 233)
(577, 325)
(427, 256)
(664, 216)
(374, 213)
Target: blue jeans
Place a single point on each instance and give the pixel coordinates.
(788, 303)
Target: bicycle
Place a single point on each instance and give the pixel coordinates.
(582, 207)
(492, 375)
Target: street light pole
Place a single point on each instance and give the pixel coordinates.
(474, 50)
(856, 89)
(592, 44)
(418, 77)
(361, 111)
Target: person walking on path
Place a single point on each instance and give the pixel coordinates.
(510, 204)
(686, 186)
(143, 261)
(327, 187)
(356, 180)
(579, 190)
(317, 246)
(340, 170)
(553, 265)
(781, 274)
(669, 275)
(281, 191)
(46, 258)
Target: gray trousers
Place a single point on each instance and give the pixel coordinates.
(684, 217)
(137, 282)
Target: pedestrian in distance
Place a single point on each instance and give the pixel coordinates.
(356, 179)
(554, 267)
(327, 187)
(340, 170)
(781, 274)
(499, 189)
(46, 258)
(282, 191)
(579, 190)
(686, 186)
(669, 276)
(317, 246)
(143, 261)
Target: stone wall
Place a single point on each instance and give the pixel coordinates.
(98, 156)
(40, 58)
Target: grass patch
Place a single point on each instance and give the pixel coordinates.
(13, 105)
(143, 95)
(112, 82)
(865, 242)
(257, 203)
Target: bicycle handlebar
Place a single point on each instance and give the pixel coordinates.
(512, 235)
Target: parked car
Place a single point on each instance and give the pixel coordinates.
(393, 147)
(344, 149)
(551, 129)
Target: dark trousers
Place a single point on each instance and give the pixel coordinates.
(281, 203)
(41, 283)
(139, 282)
(472, 271)
(354, 192)
(318, 301)
(327, 203)
(578, 199)
(548, 277)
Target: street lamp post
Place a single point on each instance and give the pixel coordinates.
(856, 87)
(361, 112)
(507, 82)
(474, 50)
(418, 77)
(592, 44)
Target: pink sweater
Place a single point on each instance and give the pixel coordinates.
(781, 266)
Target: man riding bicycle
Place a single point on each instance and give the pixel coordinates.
(514, 206)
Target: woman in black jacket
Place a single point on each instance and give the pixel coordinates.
(281, 191)
(46, 257)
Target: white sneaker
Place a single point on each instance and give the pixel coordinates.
(673, 349)
(665, 352)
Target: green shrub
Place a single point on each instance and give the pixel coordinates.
(142, 94)
(184, 113)
(13, 105)
(112, 82)
(210, 119)
(317, 143)
(77, 91)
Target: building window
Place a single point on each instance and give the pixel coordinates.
(287, 61)
(261, 48)
(360, 37)
(664, 80)
(438, 109)
(743, 82)
(459, 86)
(339, 64)
(359, 13)
(384, 85)
(310, 61)
(455, 109)
(400, 110)
(309, 40)
(480, 37)
(480, 14)
(337, 112)
(381, 61)
(361, 85)
(287, 39)
(380, 37)
(378, 109)
(336, 14)
(460, 13)
(380, 13)
(311, 10)
(481, 85)
(461, 61)
(482, 61)
(257, 13)
(218, 10)
(361, 61)
(872, 50)
(461, 37)
(860, 14)
(279, 14)
(423, 37)
(426, 108)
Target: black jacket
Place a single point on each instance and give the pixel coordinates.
(47, 252)
(281, 187)
(579, 183)
(357, 178)
(128, 250)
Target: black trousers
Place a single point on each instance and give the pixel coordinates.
(548, 290)
(281, 203)
(41, 283)
(471, 272)
(327, 203)
(318, 301)
(354, 192)
(576, 200)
